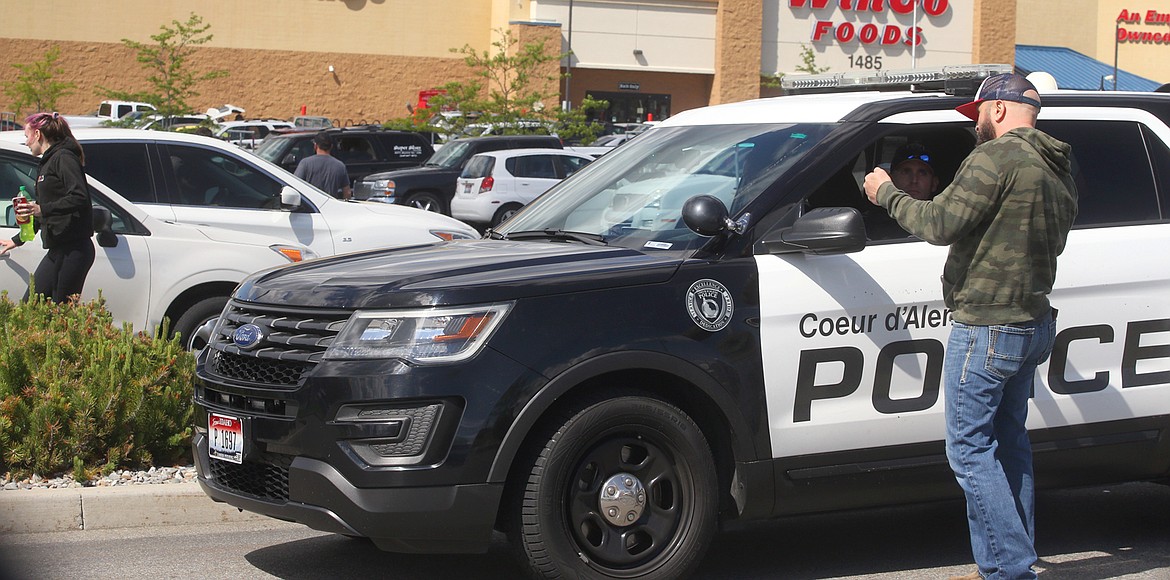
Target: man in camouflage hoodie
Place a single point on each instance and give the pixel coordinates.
(1005, 217)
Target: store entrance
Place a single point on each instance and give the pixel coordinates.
(630, 107)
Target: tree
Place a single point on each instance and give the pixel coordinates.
(509, 90)
(808, 65)
(36, 86)
(809, 61)
(171, 79)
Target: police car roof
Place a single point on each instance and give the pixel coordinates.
(821, 108)
(836, 107)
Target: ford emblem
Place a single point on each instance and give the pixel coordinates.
(248, 336)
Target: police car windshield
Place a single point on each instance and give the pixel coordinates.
(634, 196)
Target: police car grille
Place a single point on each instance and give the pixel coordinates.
(266, 479)
(258, 370)
(293, 343)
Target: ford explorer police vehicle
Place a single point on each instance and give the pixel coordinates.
(711, 323)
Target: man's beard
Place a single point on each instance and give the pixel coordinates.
(984, 132)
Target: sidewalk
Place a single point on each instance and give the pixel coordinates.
(93, 508)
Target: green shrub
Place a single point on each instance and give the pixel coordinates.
(79, 395)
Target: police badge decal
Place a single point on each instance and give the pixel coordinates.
(710, 305)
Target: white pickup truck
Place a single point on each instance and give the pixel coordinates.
(109, 111)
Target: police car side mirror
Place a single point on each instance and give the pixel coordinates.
(290, 198)
(707, 216)
(821, 231)
(102, 223)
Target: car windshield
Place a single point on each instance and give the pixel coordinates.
(634, 196)
(450, 155)
(269, 149)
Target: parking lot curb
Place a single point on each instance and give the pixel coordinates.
(94, 508)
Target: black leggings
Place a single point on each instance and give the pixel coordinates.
(62, 272)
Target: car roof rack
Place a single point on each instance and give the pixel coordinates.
(960, 80)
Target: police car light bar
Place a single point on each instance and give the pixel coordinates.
(962, 80)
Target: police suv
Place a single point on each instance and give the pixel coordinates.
(710, 323)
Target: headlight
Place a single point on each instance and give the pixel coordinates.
(431, 336)
(383, 187)
(450, 236)
(293, 253)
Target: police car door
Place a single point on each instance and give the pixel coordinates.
(853, 344)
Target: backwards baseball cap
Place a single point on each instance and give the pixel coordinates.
(909, 152)
(1001, 87)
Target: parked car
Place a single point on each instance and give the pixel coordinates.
(364, 150)
(248, 134)
(201, 180)
(145, 268)
(432, 186)
(495, 185)
(695, 331)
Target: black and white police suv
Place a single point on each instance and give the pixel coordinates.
(710, 323)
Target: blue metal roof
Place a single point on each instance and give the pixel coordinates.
(1074, 70)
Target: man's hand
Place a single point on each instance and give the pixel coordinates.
(873, 180)
(5, 245)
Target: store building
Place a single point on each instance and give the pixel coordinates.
(359, 61)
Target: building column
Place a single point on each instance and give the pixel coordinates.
(738, 33)
(993, 38)
(547, 79)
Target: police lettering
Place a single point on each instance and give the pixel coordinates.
(842, 325)
(850, 362)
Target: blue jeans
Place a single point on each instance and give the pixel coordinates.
(988, 374)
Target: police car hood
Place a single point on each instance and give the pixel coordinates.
(464, 272)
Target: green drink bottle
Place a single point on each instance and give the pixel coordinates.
(25, 222)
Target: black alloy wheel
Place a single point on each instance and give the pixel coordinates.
(633, 484)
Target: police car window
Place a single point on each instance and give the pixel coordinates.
(634, 197)
(1160, 156)
(123, 167)
(1111, 167)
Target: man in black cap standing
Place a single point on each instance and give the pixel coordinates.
(323, 170)
(1005, 218)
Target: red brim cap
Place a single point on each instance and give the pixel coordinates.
(970, 110)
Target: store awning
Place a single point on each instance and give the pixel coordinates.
(1074, 70)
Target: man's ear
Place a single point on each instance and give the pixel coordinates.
(999, 111)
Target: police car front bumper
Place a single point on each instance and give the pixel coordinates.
(440, 519)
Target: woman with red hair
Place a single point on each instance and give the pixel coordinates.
(62, 209)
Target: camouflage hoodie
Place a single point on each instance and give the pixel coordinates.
(1005, 216)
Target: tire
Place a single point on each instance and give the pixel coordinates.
(561, 523)
(426, 201)
(504, 213)
(190, 321)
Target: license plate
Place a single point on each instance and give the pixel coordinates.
(226, 435)
(466, 188)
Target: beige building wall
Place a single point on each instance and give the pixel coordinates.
(738, 41)
(994, 37)
(278, 52)
(387, 27)
(1047, 23)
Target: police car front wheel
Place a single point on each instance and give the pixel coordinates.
(632, 480)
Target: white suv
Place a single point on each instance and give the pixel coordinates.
(200, 180)
(496, 184)
(145, 269)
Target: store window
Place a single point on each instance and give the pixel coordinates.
(631, 107)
